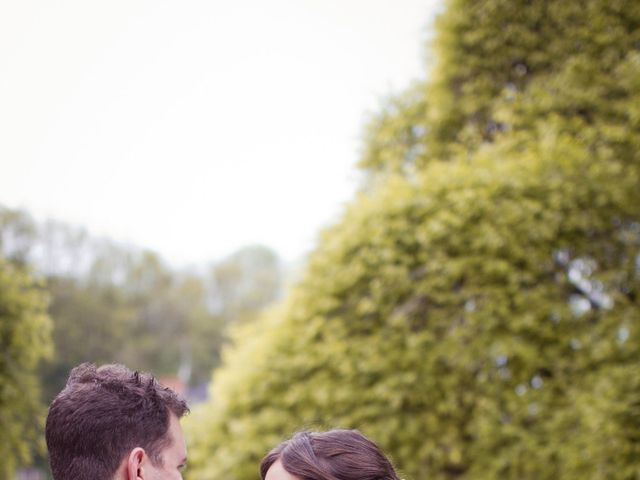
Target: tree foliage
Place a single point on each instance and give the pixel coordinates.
(24, 342)
(109, 302)
(476, 311)
(117, 303)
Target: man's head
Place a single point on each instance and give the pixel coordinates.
(112, 423)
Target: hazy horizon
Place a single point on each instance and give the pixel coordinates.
(196, 128)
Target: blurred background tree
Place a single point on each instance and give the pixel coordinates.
(476, 309)
(110, 302)
(246, 282)
(24, 341)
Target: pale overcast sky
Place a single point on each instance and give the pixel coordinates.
(196, 127)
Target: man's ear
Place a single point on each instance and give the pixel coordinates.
(135, 464)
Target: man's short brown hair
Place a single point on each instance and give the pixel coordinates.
(104, 413)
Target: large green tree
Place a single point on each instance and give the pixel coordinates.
(476, 311)
(24, 342)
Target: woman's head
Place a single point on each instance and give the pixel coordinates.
(332, 455)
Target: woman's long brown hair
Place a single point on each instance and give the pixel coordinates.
(332, 455)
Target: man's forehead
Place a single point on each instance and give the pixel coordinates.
(178, 444)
